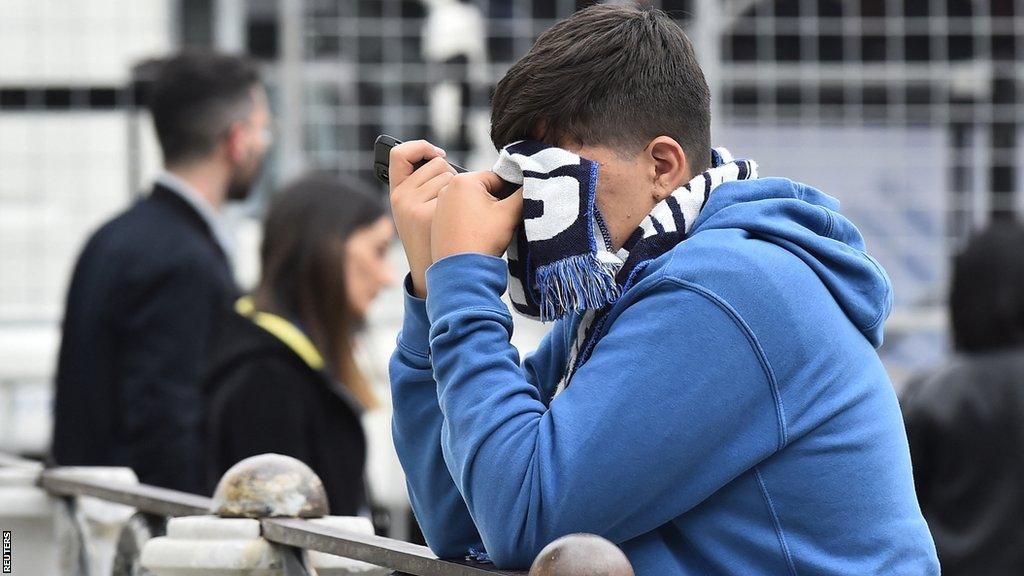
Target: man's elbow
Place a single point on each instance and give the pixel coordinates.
(446, 547)
(510, 558)
(513, 550)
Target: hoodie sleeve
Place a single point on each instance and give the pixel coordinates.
(416, 429)
(674, 403)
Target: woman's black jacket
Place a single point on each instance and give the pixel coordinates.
(262, 396)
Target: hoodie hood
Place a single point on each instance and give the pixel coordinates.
(807, 223)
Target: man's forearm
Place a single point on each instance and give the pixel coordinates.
(416, 428)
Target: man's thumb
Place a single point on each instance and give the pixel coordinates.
(513, 205)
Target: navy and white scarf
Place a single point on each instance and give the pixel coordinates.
(561, 257)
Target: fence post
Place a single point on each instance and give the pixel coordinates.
(29, 514)
(70, 536)
(229, 542)
(95, 524)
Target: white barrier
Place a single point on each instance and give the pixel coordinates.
(53, 536)
(29, 514)
(212, 546)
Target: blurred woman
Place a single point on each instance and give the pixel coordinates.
(966, 422)
(284, 378)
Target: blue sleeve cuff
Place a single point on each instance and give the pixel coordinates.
(415, 334)
(465, 281)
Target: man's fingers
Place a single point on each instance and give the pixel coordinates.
(486, 181)
(429, 170)
(403, 157)
(429, 190)
(494, 184)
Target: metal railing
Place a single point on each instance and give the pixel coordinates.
(297, 534)
(402, 557)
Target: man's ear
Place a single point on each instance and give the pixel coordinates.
(669, 165)
(234, 143)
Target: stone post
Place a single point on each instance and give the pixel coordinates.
(28, 513)
(228, 542)
(92, 526)
(54, 536)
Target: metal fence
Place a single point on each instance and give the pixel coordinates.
(908, 111)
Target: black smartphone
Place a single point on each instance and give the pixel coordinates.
(382, 157)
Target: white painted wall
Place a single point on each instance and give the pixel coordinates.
(61, 175)
(69, 42)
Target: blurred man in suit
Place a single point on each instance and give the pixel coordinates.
(150, 286)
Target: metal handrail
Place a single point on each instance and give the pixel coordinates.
(142, 497)
(394, 554)
(11, 461)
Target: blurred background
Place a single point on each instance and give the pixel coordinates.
(908, 111)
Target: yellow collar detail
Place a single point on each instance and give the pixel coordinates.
(283, 330)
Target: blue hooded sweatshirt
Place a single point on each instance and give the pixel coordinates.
(734, 417)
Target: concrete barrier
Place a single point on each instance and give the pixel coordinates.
(51, 535)
(230, 543)
(29, 514)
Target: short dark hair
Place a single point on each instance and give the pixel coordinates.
(608, 75)
(195, 97)
(986, 300)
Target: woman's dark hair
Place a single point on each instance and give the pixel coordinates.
(608, 75)
(986, 300)
(303, 267)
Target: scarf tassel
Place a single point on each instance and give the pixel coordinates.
(577, 283)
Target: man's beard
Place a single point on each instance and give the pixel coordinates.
(242, 182)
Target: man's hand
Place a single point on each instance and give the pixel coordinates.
(413, 199)
(470, 219)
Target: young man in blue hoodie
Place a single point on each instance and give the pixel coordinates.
(709, 397)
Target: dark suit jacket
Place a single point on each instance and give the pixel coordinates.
(147, 295)
(261, 396)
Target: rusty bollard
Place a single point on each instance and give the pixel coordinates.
(267, 486)
(581, 555)
(229, 542)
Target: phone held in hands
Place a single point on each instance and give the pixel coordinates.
(382, 157)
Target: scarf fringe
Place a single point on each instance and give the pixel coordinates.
(575, 283)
